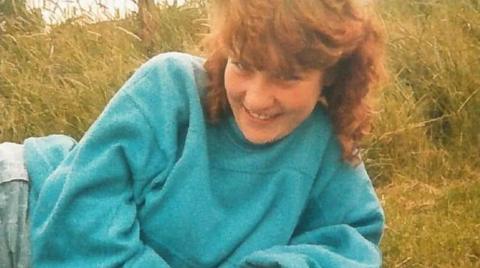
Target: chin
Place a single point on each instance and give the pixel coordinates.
(255, 139)
(262, 141)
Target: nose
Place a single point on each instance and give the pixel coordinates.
(259, 95)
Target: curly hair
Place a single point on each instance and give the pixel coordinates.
(336, 36)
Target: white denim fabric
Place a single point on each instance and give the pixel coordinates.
(11, 162)
(14, 225)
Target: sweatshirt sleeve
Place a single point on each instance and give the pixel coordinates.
(340, 227)
(85, 214)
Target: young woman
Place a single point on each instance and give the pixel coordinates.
(246, 159)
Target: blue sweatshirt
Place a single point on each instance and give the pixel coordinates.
(151, 184)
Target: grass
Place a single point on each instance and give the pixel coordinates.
(423, 154)
(58, 82)
(432, 226)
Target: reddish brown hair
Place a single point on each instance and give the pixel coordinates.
(275, 35)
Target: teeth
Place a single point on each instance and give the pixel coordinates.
(259, 116)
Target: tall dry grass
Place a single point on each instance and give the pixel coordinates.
(427, 119)
(425, 151)
(58, 81)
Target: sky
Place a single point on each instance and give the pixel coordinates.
(54, 11)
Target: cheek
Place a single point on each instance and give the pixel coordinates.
(232, 85)
(301, 107)
(304, 98)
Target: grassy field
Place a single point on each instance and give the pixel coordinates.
(426, 145)
(423, 154)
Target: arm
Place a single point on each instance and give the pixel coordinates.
(340, 227)
(85, 214)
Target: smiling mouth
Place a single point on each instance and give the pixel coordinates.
(261, 117)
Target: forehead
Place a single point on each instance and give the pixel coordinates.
(269, 58)
(281, 71)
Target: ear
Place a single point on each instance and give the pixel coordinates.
(322, 101)
(329, 77)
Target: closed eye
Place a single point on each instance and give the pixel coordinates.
(289, 77)
(239, 65)
(294, 77)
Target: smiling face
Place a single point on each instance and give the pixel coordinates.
(268, 107)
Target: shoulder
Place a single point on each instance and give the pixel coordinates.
(322, 140)
(181, 66)
(322, 122)
(175, 76)
(175, 59)
(312, 144)
(320, 133)
(168, 81)
(332, 167)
